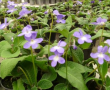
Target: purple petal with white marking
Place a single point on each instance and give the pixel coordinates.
(80, 41)
(51, 57)
(99, 19)
(81, 33)
(88, 40)
(62, 44)
(60, 50)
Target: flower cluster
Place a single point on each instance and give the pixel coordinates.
(30, 36)
(58, 51)
(59, 17)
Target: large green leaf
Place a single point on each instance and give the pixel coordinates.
(34, 88)
(29, 70)
(8, 37)
(9, 53)
(18, 85)
(8, 65)
(74, 78)
(45, 84)
(51, 75)
(4, 45)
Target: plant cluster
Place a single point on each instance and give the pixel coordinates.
(60, 47)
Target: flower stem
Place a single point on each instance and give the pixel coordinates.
(25, 75)
(50, 35)
(35, 74)
(101, 35)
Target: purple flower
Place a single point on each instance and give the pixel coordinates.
(11, 3)
(82, 38)
(59, 46)
(56, 58)
(24, 12)
(3, 25)
(27, 31)
(59, 19)
(46, 12)
(24, 3)
(11, 9)
(0, 1)
(108, 42)
(74, 46)
(100, 21)
(79, 3)
(55, 12)
(92, 1)
(100, 54)
(32, 41)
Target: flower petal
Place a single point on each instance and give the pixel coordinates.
(81, 33)
(109, 50)
(100, 49)
(94, 55)
(77, 34)
(99, 19)
(100, 60)
(27, 45)
(60, 50)
(34, 46)
(61, 60)
(104, 50)
(53, 63)
(88, 40)
(51, 57)
(106, 57)
(80, 41)
(62, 43)
(39, 40)
(21, 34)
(53, 49)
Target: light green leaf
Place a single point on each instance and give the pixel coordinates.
(34, 88)
(18, 85)
(74, 78)
(45, 84)
(8, 65)
(8, 53)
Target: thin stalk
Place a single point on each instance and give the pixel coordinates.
(25, 75)
(34, 66)
(66, 67)
(50, 35)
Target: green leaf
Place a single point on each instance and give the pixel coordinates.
(51, 75)
(77, 54)
(69, 20)
(8, 65)
(107, 88)
(64, 32)
(34, 88)
(18, 85)
(85, 45)
(103, 69)
(28, 68)
(99, 33)
(4, 45)
(45, 84)
(8, 37)
(107, 81)
(79, 68)
(74, 78)
(60, 86)
(8, 53)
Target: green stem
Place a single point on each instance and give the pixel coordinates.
(50, 35)
(25, 75)
(66, 67)
(34, 66)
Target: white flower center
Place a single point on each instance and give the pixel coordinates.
(56, 58)
(102, 23)
(33, 41)
(101, 55)
(56, 47)
(27, 32)
(83, 38)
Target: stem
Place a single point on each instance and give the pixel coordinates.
(101, 35)
(94, 70)
(50, 35)
(66, 67)
(25, 75)
(34, 66)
